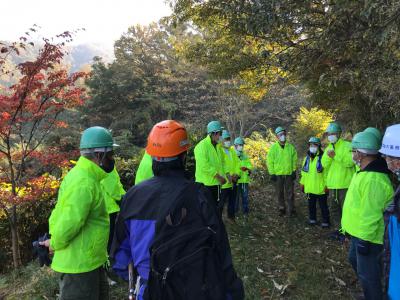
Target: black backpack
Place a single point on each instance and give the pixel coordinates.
(185, 264)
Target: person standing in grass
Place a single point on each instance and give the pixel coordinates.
(242, 186)
(209, 166)
(340, 168)
(79, 223)
(369, 194)
(313, 183)
(230, 164)
(282, 164)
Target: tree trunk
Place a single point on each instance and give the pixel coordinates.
(14, 237)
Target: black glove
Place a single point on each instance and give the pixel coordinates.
(293, 175)
(42, 252)
(274, 178)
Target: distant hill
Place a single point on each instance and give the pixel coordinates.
(78, 55)
(81, 55)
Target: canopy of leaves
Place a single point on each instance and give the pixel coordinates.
(146, 83)
(346, 52)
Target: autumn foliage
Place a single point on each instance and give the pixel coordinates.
(32, 99)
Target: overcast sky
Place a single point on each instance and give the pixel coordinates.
(104, 20)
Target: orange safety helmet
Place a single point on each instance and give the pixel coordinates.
(167, 139)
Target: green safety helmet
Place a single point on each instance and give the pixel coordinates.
(334, 127)
(226, 134)
(314, 140)
(239, 141)
(279, 129)
(376, 132)
(96, 137)
(214, 126)
(366, 142)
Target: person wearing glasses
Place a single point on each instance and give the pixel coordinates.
(390, 150)
(369, 193)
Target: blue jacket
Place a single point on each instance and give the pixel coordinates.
(142, 207)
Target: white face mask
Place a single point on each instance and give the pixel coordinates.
(313, 149)
(332, 138)
(282, 138)
(227, 144)
(355, 160)
(239, 148)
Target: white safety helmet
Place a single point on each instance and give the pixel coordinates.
(391, 141)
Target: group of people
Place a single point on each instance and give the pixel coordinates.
(169, 239)
(356, 175)
(223, 169)
(169, 234)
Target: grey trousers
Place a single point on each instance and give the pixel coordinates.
(91, 285)
(285, 192)
(337, 200)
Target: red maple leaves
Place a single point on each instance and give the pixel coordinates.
(37, 92)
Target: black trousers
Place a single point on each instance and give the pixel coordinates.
(215, 191)
(312, 207)
(227, 196)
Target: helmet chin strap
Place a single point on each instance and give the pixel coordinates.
(100, 157)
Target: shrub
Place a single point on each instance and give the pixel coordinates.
(308, 123)
(256, 147)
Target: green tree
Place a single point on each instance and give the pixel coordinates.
(146, 83)
(345, 52)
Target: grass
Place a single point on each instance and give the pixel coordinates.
(277, 258)
(282, 258)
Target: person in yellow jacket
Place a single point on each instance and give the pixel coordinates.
(282, 164)
(231, 166)
(145, 169)
(369, 194)
(209, 167)
(340, 169)
(79, 224)
(113, 191)
(313, 183)
(242, 188)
